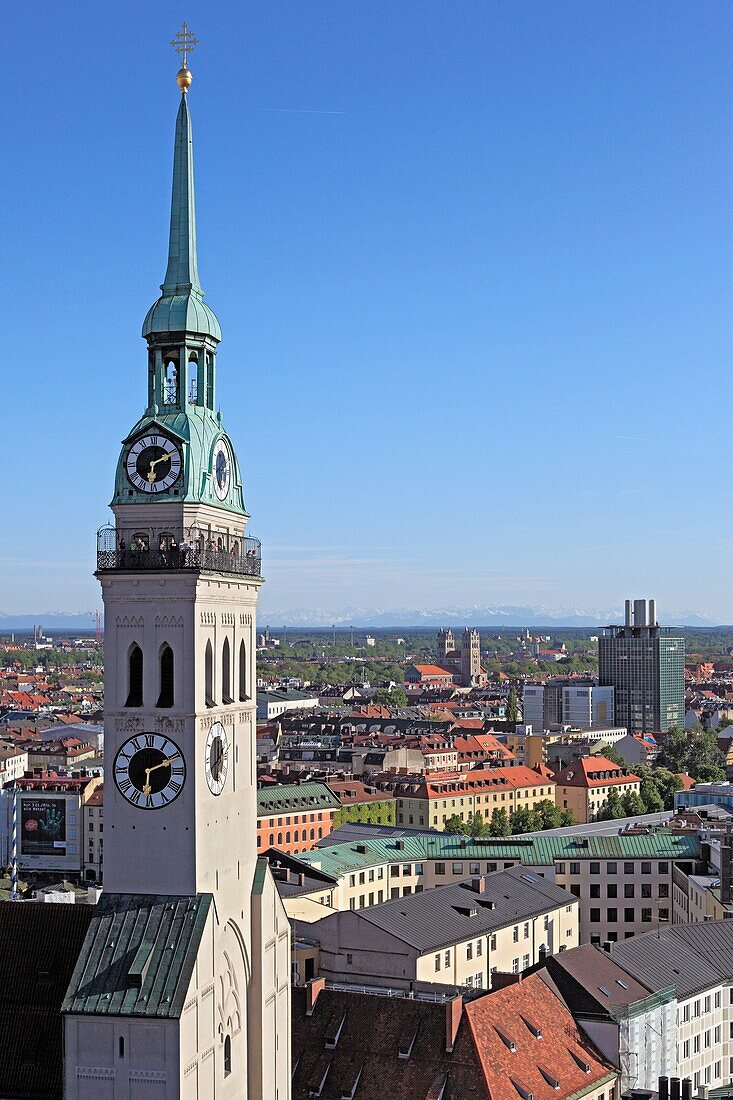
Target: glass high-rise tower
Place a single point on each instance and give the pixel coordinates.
(645, 664)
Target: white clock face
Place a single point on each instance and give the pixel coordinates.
(149, 771)
(222, 469)
(217, 758)
(153, 463)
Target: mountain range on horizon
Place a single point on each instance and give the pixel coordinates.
(379, 618)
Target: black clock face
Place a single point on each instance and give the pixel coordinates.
(221, 469)
(153, 463)
(149, 771)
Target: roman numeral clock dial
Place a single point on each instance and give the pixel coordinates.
(153, 463)
(149, 771)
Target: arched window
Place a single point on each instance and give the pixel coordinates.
(287, 837)
(226, 673)
(165, 698)
(209, 676)
(313, 834)
(170, 389)
(296, 834)
(227, 1055)
(134, 676)
(193, 380)
(242, 672)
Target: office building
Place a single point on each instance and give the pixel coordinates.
(645, 665)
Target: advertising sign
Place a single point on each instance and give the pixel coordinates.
(42, 826)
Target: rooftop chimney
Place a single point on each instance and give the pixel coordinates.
(686, 1088)
(652, 613)
(627, 616)
(478, 885)
(726, 886)
(312, 992)
(640, 613)
(664, 1088)
(453, 1013)
(674, 1088)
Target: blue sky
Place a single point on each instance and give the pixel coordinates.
(472, 262)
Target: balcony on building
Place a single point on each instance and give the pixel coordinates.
(177, 549)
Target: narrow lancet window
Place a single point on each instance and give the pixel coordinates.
(134, 676)
(242, 672)
(226, 673)
(165, 698)
(209, 676)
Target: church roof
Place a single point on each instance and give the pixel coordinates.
(138, 955)
(39, 947)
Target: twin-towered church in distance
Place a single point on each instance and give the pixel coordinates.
(182, 985)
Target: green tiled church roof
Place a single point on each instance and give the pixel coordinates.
(138, 955)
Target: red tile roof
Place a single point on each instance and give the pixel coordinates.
(594, 771)
(512, 1016)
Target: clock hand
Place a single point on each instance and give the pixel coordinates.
(154, 463)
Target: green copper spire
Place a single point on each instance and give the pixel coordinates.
(181, 307)
(182, 273)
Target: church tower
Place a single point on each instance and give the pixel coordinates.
(184, 981)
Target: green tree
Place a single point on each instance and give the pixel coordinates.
(613, 808)
(667, 783)
(549, 816)
(632, 804)
(675, 747)
(396, 697)
(524, 820)
(456, 825)
(512, 706)
(499, 825)
(651, 796)
(478, 826)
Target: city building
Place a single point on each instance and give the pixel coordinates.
(271, 704)
(633, 1025)
(183, 981)
(93, 835)
(457, 935)
(584, 785)
(695, 961)
(293, 817)
(433, 799)
(565, 702)
(645, 665)
(623, 881)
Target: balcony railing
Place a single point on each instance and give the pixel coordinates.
(153, 550)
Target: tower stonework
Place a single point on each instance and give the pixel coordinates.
(183, 986)
(470, 657)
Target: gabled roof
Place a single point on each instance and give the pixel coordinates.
(451, 914)
(138, 955)
(295, 797)
(39, 947)
(591, 980)
(516, 1061)
(594, 771)
(690, 957)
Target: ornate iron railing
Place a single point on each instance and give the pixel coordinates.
(148, 549)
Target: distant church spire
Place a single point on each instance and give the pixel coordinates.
(181, 307)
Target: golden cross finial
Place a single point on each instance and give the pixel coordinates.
(183, 43)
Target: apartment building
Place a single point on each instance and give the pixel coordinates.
(696, 961)
(632, 1025)
(293, 816)
(456, 935)
(623, 882)
(93, 819)
(430, 801)
(584, 785)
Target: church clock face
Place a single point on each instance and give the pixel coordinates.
(217, 758)
(153, 463)
(149, 771)
(222, 470)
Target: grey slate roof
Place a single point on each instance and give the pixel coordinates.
(138, 955)
(437, 918)
(690, 957)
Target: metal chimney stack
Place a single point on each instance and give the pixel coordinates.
(639, 612)
(652, 613)
(627, 615)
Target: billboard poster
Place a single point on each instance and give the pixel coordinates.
(43, 826)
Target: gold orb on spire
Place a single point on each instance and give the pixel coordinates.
(183, 43)
(184, 79)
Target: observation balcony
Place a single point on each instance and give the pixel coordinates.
(169, 549)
